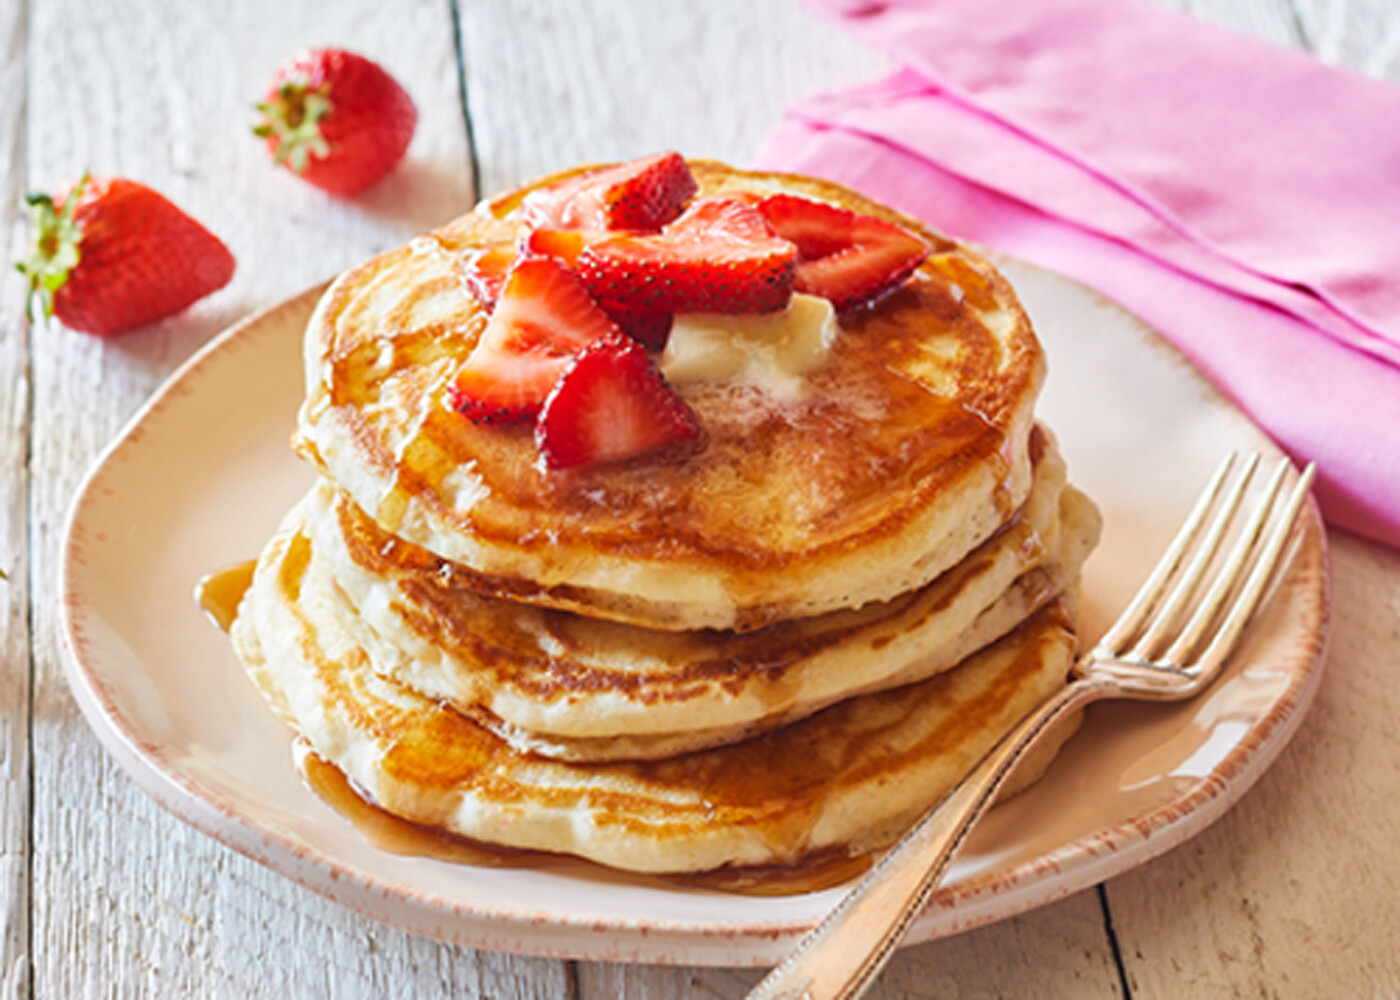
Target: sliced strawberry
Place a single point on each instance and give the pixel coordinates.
(642, 194)
(647, 328)
(561, 244)
(817, 228)
(484, 272)
(654, 193)
(542, 319)
(843, 256)
(610, 404)
(650, 329)
(720, 256)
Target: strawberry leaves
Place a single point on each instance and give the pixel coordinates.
(55, 251)
(112, 255)
(336, 119)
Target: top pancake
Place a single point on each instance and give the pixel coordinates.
(907, 447)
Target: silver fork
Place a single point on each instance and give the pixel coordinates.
(1170, 643)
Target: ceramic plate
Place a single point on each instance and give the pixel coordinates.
(203, 474)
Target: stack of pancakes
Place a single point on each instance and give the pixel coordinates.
(788, 643)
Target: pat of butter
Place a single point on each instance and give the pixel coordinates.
(770, 350)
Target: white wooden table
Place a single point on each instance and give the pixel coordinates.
(1295, 893)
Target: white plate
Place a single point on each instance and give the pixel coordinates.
(203, 474)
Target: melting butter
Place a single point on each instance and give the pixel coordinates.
(770, 350)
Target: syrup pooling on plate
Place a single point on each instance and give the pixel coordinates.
(849, 777)
(818, 871)
(393, 833)
(399, 836)
(219, 592)
(1034, 850)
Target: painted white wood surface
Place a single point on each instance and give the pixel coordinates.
(14, 510)
(124, 900)
(1293, 893)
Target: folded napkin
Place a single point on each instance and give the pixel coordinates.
(1243, 199)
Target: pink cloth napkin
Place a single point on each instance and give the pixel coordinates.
(1243, 199)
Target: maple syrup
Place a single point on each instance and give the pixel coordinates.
(219, 592)
(394, 834)
(822, 870)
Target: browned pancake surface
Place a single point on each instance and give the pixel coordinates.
(918, 400)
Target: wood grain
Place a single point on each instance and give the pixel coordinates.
(1295, 890)
(1361, 34)
(1270, 20)
(15, 760)
(551, 84)
(657, 87)
(679, 75)
(1058, 951)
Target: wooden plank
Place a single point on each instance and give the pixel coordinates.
(1272, 20)
(550, 85)
(14, 509)
(1057, 951)
(1361, 34)
(129, 902)
(126, 900)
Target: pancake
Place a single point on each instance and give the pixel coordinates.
(906, 448)
(583, 689)
(847, 779)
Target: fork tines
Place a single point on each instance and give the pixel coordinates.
(1190, 612)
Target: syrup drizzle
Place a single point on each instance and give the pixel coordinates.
(396, 835)
(219, 592)
(818, 871)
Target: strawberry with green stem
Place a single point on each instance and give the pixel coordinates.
(111, 255)
(337, 119)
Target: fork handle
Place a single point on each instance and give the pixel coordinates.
(844, 953)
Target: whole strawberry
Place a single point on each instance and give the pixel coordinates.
(111, 255)
(337, 119)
